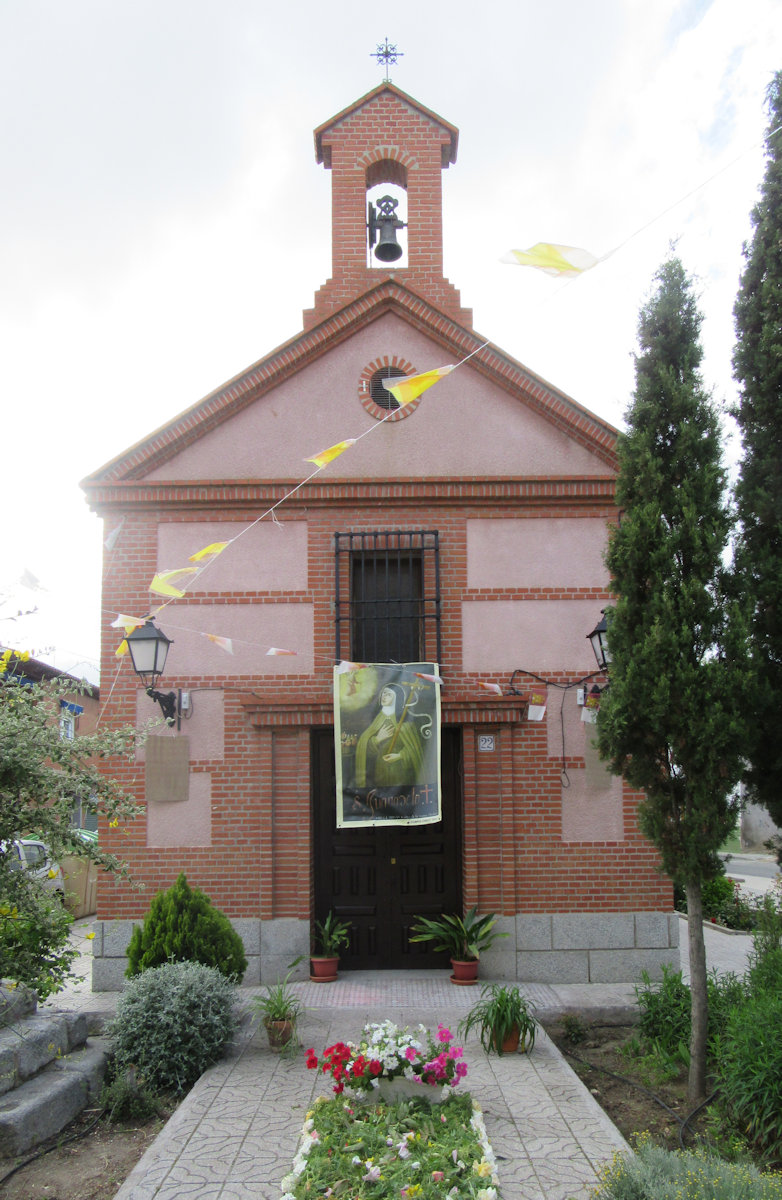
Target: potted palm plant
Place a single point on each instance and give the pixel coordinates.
(463, 938)
(279, 1009)
(328, 938)
(503, 1020)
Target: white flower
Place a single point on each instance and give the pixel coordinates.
(356, 1161)
(289, 1182)
(487, 1194)
(416, 1166)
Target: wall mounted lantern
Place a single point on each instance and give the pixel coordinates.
(148, 648)
(599, 639)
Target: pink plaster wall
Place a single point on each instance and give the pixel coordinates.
(186, 824)
(272, 556)
(552, 552)
(536, 635)
(205, 728)
(319, 406)
(592, 805)
(253, 628)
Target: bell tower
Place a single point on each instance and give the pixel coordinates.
(386, 138)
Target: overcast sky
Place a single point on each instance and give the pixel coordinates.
(163, 221)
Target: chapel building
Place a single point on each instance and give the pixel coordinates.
(463, 531)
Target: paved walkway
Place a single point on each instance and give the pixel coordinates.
(235, 1134)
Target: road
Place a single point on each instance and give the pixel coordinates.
(756, 874)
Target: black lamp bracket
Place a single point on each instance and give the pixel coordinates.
(170, 705)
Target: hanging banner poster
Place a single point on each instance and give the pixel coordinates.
(387, 744)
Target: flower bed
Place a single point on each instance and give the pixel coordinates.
(409, 1150)
(388, 1052)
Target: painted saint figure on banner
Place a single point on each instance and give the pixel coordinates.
(390, 750)
(387, 734)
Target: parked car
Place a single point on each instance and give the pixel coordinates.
(35, 856)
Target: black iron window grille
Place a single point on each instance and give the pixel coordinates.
(387, 596)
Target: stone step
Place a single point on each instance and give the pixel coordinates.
(30, 1043)
(43, 1105)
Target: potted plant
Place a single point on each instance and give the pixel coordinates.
(328, 938)
(503, 1019)
(536, 709)
(279, 1009)
(463, 938)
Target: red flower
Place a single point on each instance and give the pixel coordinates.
(312, 1060)
(375, 1067)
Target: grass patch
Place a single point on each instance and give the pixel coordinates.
(410, 1149)
(657, 1174)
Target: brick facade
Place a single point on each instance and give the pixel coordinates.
(574, 882)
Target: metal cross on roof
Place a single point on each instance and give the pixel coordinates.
(386, 55)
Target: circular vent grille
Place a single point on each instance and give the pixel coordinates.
(378, 392)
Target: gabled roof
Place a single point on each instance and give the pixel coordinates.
(457, 342)
(323, 152)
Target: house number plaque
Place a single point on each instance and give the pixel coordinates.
(485, 741)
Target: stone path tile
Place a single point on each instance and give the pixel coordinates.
(235, 1136)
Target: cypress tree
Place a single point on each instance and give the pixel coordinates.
(757, 364)
(669, 719)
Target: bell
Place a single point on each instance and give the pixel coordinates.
(388, 248)
(382, 225)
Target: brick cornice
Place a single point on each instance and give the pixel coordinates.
(456, 341)
(576, 492)
(265, 711)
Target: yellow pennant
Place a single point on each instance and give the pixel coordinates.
(552, 258)
(122, 649)
(277, 650)
(125, 622)
(332, 452)
(223, 642)
(161, 585)
(211, 551)
(405, 390)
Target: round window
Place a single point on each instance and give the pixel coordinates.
(373, 393)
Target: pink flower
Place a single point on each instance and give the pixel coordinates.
(443, 1034)
(438, 1176)
(411, 1053)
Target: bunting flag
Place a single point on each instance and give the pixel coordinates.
(122, 649)
(552, 258)
(209, 552)
(410, 388)
(127, 623)
(223, 642)
(277, 650)
(345, 667)
(431, 678)
(490, 687)
(326, 456)
(161, 585)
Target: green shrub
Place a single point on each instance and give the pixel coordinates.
(749, 1072)
(653, 1173)
(666, 1009)
(182, 926)
(34, 945)
(173, 1022)
(126, 1098)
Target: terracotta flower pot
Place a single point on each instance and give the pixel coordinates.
(279, 1033)
(510, 1044)
(323, 970)
(464, 973)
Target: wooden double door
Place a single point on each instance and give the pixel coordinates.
(380, 878)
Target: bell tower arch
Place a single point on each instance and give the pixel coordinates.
(386, 138)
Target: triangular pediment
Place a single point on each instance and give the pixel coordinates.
(495, 418)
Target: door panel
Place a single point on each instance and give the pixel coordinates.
(379, 879)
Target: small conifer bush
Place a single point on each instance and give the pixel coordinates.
(182, 926)
(172, 1022)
